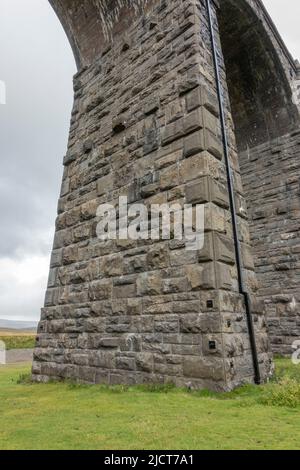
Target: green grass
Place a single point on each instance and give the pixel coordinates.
(68, 416)
(18, 342)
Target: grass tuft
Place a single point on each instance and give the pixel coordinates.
(286, 392)
(24, 379)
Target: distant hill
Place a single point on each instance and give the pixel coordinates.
(18, 325)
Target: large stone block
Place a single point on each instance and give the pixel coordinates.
(194, 144)
(198, 191)
(100, 290)
(149, 284)
(194, 167)
(104, 185)
(200, 368)
(203, 323)
(172, 132)
(224, 249)
(201, 276)
(202, 96)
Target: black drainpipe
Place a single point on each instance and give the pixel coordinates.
(237, 244)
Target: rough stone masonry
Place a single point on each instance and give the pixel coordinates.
(145, 124)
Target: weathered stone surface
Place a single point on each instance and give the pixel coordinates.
(195, 367)
(224, 249)
(194, 144)
(146, 125)
(104, 185)
(201, 96)
(274, 235)
(197, 192)
(201, 276)
(195, 167)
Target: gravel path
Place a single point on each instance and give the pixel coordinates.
(19, 355)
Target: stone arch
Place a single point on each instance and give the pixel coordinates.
(261, 78)
(91, 24)
(259, 73)
(254, 52)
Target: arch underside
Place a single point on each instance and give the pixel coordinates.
(258, 65)
(92, 24)
(260, 78)
(259, 89)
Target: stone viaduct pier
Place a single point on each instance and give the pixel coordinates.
(155, 78)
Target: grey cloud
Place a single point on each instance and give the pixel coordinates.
(286, 17)
(37, 66)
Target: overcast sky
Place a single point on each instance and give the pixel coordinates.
(37, 65)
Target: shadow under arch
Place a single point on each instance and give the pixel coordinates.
(259, 90)
(90, 25)
(261, 76)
